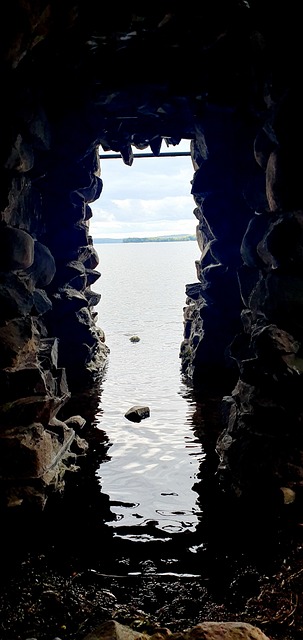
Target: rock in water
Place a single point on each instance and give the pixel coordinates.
(136, 414)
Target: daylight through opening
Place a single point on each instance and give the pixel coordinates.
(144, 232)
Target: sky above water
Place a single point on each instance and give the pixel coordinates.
(150, 198)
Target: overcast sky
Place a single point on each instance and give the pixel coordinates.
(150, 198)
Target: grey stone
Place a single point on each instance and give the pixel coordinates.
(43, 267)
(137, 413)
(16, 249)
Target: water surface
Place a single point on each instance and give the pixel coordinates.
(153, 464)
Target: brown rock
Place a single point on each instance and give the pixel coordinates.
(18, 341)
(223, 631)
(112, 630)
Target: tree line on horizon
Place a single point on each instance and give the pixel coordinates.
(173, 238)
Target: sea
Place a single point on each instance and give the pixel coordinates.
(152, 466)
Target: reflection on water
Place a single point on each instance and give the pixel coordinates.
(148, 489)
(152, 468)
(153, 464)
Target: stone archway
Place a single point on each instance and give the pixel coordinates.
(73, 83)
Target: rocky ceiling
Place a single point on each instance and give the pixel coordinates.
(79, 76)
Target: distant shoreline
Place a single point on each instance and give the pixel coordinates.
(176, 238)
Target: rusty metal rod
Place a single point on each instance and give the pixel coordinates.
(111, 156)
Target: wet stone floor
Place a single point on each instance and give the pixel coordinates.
(65, 573)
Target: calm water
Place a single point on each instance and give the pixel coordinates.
(153, 464)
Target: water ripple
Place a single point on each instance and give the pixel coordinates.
(152, 465)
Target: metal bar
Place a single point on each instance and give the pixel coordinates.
(111, 156)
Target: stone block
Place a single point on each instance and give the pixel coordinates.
(16, 249)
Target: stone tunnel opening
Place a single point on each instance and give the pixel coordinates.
(226, 75)
(213, 317)
(224, 321)
(142, 288)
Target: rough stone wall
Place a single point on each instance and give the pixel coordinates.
(222, 75)
(261, 447)
(50, 344)
(224, 169)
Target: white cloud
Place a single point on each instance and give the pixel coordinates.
(152, 197)
(138, 210)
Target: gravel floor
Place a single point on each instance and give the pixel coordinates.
(46, 596)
